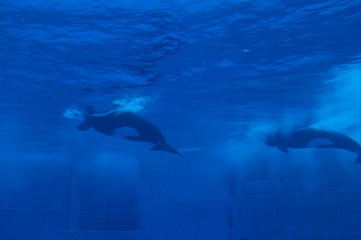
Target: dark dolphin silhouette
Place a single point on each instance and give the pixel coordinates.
(312, 138)
(107, 123)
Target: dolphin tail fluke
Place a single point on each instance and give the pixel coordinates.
(165, 147)
(358, 159)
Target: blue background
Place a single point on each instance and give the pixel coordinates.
(215, 77)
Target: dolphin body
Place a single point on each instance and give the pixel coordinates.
(107, 123)
(311, 138)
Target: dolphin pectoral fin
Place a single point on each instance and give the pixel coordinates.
(282, 149)
(136, 138)
(84, 126)
(165, 147)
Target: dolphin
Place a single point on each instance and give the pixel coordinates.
(108, 123)
(312, 138)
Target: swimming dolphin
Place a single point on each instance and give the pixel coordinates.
(312, 138)
(108, 123)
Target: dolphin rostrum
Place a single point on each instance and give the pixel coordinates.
(108, 123)
(312, 138)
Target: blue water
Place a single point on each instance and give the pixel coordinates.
(214, 77)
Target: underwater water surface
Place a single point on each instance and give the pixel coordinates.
(216, 78)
